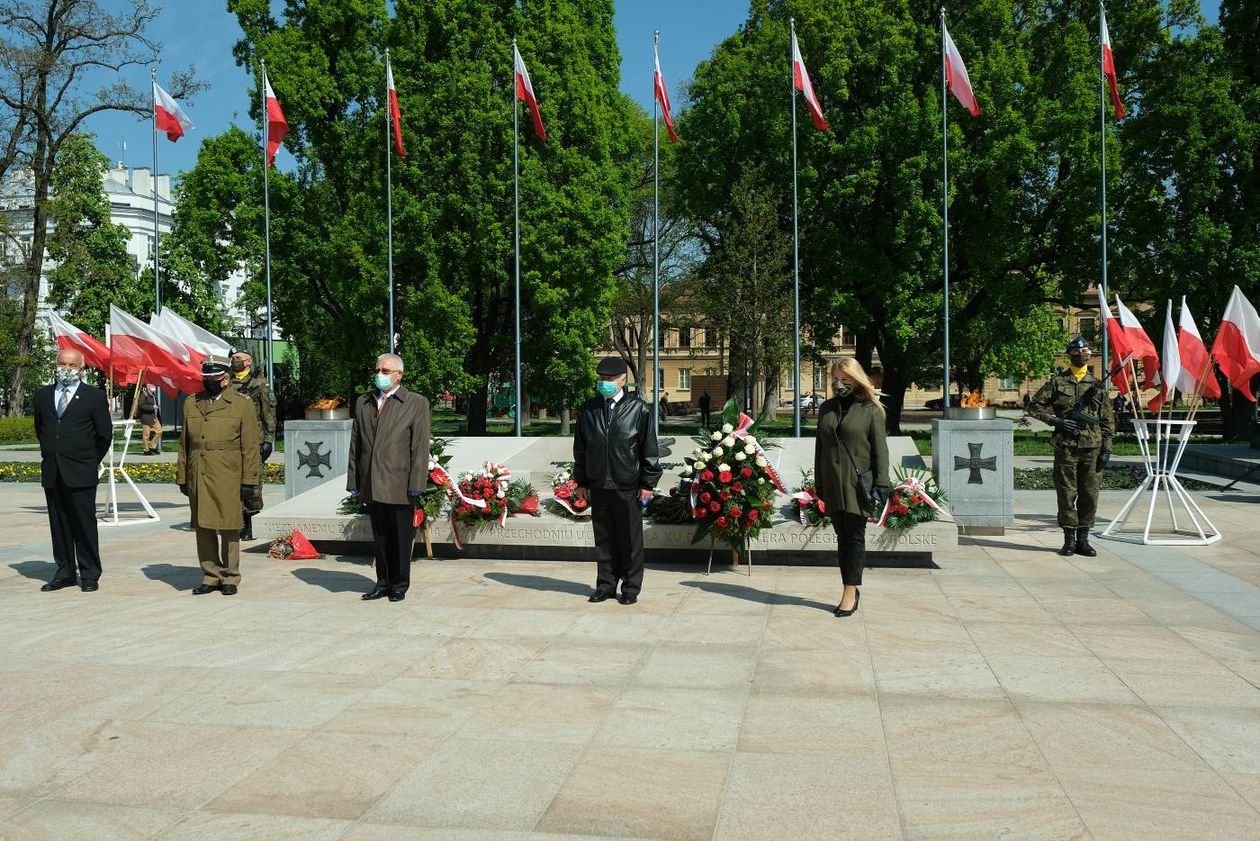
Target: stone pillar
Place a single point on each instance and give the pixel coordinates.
(974, 464)
(315, 451)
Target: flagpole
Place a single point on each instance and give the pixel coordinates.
(157, 283)
(656, 250)
(1102, 133)
(796, 261)
(389, 205)
(271, 380)
(945, 203)
(516, 213)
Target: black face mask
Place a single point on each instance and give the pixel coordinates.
(841, 389)
(213, 387)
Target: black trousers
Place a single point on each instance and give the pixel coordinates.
(618, 521)
(72, 519)
(850, 546)
(395, 536)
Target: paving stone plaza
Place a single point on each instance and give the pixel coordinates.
(1010, 693)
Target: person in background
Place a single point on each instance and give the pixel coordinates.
(616, 464)
(218, 468)
(705, 403)
(150, 418)
(851, 469)
(251, 383)
(388, 470)
(74, 430)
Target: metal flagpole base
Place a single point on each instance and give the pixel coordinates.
(1163, 442)
(116, 469)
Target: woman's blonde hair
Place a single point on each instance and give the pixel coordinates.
(862, 384)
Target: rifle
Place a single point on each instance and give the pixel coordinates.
(1079, 412)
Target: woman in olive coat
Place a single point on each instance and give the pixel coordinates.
(851, 440)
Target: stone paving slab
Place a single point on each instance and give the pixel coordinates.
(1009, 694)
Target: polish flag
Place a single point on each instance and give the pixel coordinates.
(1171, 372)
(198, 340)
(800, 81)
(1117, 341)
(69, 337)
(662, 97)
(1196, 365)
(956, 74)
(277, 126)
(1140, 344)
(395, 115)
(1109, 65)
(138, 345)
(168, 116)
(525, 93)
(1237, 345)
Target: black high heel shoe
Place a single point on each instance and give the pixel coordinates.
(857, 597)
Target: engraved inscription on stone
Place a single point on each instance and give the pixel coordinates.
(314, 459)
(975, 464)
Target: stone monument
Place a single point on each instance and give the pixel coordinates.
(973, 459)
(315, 451)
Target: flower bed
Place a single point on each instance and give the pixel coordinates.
(148, 473)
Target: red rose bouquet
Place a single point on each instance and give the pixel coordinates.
(807, 506)
(565, 500)
(915, 499)
(489, 496)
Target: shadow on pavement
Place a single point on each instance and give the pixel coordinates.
(739, 591)
(540, 582)
(335, 581)
(180, 578)
(35, 570)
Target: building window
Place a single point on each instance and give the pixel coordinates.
(1006, 384)
(684, 378)
(660, 378)
(684, 337)
(820, 378)
(1089, 328)
(710, 337)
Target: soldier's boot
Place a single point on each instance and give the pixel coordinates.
(247, 533)
(1069, 542)
(1082, 544)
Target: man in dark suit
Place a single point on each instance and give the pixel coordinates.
(616, 463)
(73, 426)
(388, 470)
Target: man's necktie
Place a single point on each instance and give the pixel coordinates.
(608, 409)
(63, 401)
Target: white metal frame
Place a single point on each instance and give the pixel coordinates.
(119, 468)
(1163, 443)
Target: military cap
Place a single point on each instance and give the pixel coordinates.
(1077, 344)
(213, 368)
(611, 366)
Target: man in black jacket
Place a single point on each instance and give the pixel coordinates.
(615, 462)
(74, 430)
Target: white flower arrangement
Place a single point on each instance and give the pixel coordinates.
(724, 467)
(750, 449)
(700, 465)
(727, 429)
(687, 471)
(740, 457)
(717, 436)
(761, 462)
(728, 441)
(717, 451)
(750, 441)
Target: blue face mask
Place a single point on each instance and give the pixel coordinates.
(384, 381)
(607, 388)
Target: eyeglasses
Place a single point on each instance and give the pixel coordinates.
(386, 371)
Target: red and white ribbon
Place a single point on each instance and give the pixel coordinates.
(444, 479)
(741, 432)
(913, 486)
(805, 499)
(568, 506)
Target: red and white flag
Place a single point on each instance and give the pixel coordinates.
(525, 93)
(662, 97)
(956, 74)
(1237, 345)
(800, 81)
(1170, 371)
(69, 337)
(1140, 344)
(136, 345)
(168, 116)
(198, 340)
(1117, 342)
(1109, 65)
(277, 126)
(1196, 365)
(395, 115)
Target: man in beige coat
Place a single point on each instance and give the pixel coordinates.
(389, 467)
(218, 467)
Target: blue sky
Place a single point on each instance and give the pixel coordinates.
(201, 32)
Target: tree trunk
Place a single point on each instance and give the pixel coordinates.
(864, 352)
(41, 173)
(894, 389)
(527, 406)
(565, 422)
(476, 424)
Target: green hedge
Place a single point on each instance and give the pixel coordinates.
(28, 471)
(18, 431)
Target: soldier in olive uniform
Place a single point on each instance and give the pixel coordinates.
(218, 469)
(1083, 425)
(250, 382)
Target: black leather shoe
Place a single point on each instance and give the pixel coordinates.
(841, 612)
(375, 593)
(397, 597)
(91, 587)
(624, 599)
(56, 584)
(1082, 544)
(203, 589)
(1069, 543)
(601, 596)
(228, 589)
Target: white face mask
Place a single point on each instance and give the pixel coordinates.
(67, 376)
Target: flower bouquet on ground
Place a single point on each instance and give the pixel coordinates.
(807, 506)
(565, 500)
(915, 499)
(732, 484)
(487, 497)
(292, 547)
